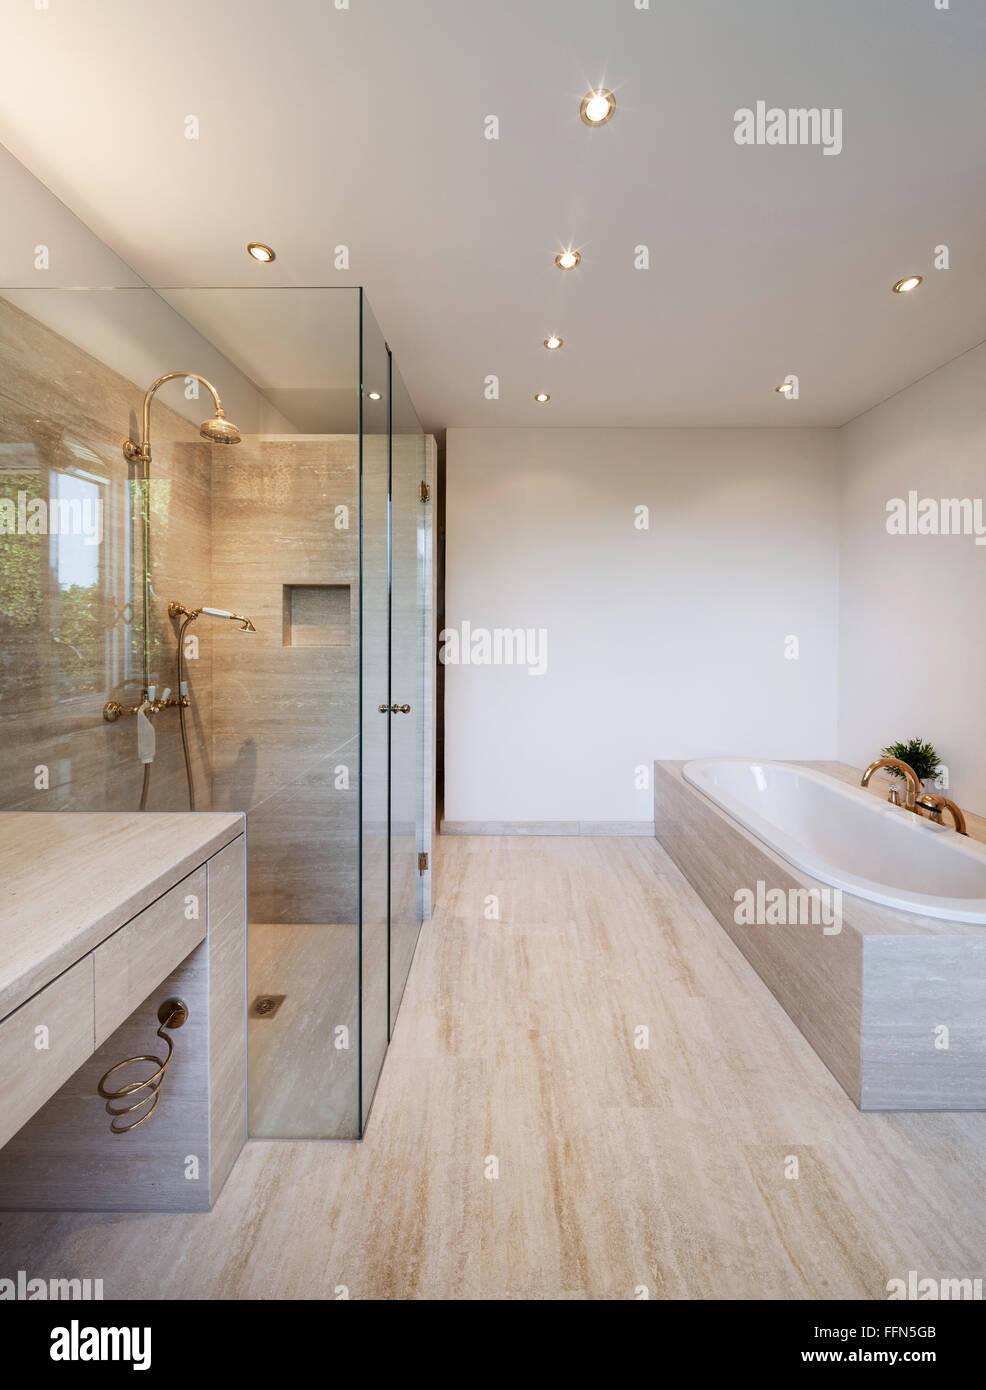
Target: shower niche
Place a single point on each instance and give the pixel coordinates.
(296, 510)
(318, 615)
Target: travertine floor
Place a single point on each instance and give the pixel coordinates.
(617, 1166)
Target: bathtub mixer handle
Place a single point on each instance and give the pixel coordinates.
(935, 805)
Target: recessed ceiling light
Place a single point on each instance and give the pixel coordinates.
(597, 106)
(567, 260)
(552, 343)
(542, 396)
(260, 252)
(374, 395)
(910, 282)
(785, 387)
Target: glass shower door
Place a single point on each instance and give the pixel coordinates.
(375, 702)
(406, 474)
(391, 636)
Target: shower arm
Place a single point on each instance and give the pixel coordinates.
(142, 451)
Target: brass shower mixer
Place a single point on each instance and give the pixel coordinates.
(113, 710)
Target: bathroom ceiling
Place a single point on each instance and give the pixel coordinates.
(365, 127)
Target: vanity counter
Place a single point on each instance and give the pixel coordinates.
(70, 879)
(107, 921)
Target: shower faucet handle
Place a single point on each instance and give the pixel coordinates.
(113, 710)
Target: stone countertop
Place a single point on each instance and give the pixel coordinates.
(68, 880)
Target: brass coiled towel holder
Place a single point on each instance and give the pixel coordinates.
(172, 1014)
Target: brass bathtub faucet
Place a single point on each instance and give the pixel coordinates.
(914, 799)
(913, 781)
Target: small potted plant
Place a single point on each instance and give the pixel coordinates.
(919, 755)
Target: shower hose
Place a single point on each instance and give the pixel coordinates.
(146, 786)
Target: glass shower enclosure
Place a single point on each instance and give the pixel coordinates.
(260, 604)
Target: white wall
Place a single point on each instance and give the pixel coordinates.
(664, 643)
(913, 608)
(33, 217)
(121, 322)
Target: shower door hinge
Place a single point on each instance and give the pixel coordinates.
(422, 862)
(424, 492)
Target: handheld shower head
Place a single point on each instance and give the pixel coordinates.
(178, 610)
(219, 431)
(233, 617)
(184, 616)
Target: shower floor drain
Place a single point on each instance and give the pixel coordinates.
(267, 1005)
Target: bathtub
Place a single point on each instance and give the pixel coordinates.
(846, 837)
(889, 984)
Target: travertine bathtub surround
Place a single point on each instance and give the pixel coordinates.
(870, 997)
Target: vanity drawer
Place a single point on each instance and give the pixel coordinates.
(30, 1075)
(134, 960)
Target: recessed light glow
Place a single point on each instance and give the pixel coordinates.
(597, 106)
(785, 387)
(567, 260)
(552, 343)
(910, 282)
(260, 252)
(374, 395)
(542, 396)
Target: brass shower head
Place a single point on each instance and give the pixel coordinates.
(220, 430)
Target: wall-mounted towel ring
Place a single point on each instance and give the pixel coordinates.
(172, 1014)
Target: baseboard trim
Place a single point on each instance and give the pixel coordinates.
(548, 827)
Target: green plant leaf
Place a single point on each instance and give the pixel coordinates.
(918, 754)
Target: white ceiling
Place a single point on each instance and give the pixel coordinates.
(364, 126)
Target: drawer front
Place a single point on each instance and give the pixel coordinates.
(42, 1043)
(134, 960)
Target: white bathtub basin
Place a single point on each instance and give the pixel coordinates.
(846, 837)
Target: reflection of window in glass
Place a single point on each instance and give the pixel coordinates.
(20, 553)
(75, 507)
(76, 526)
(21, 562)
